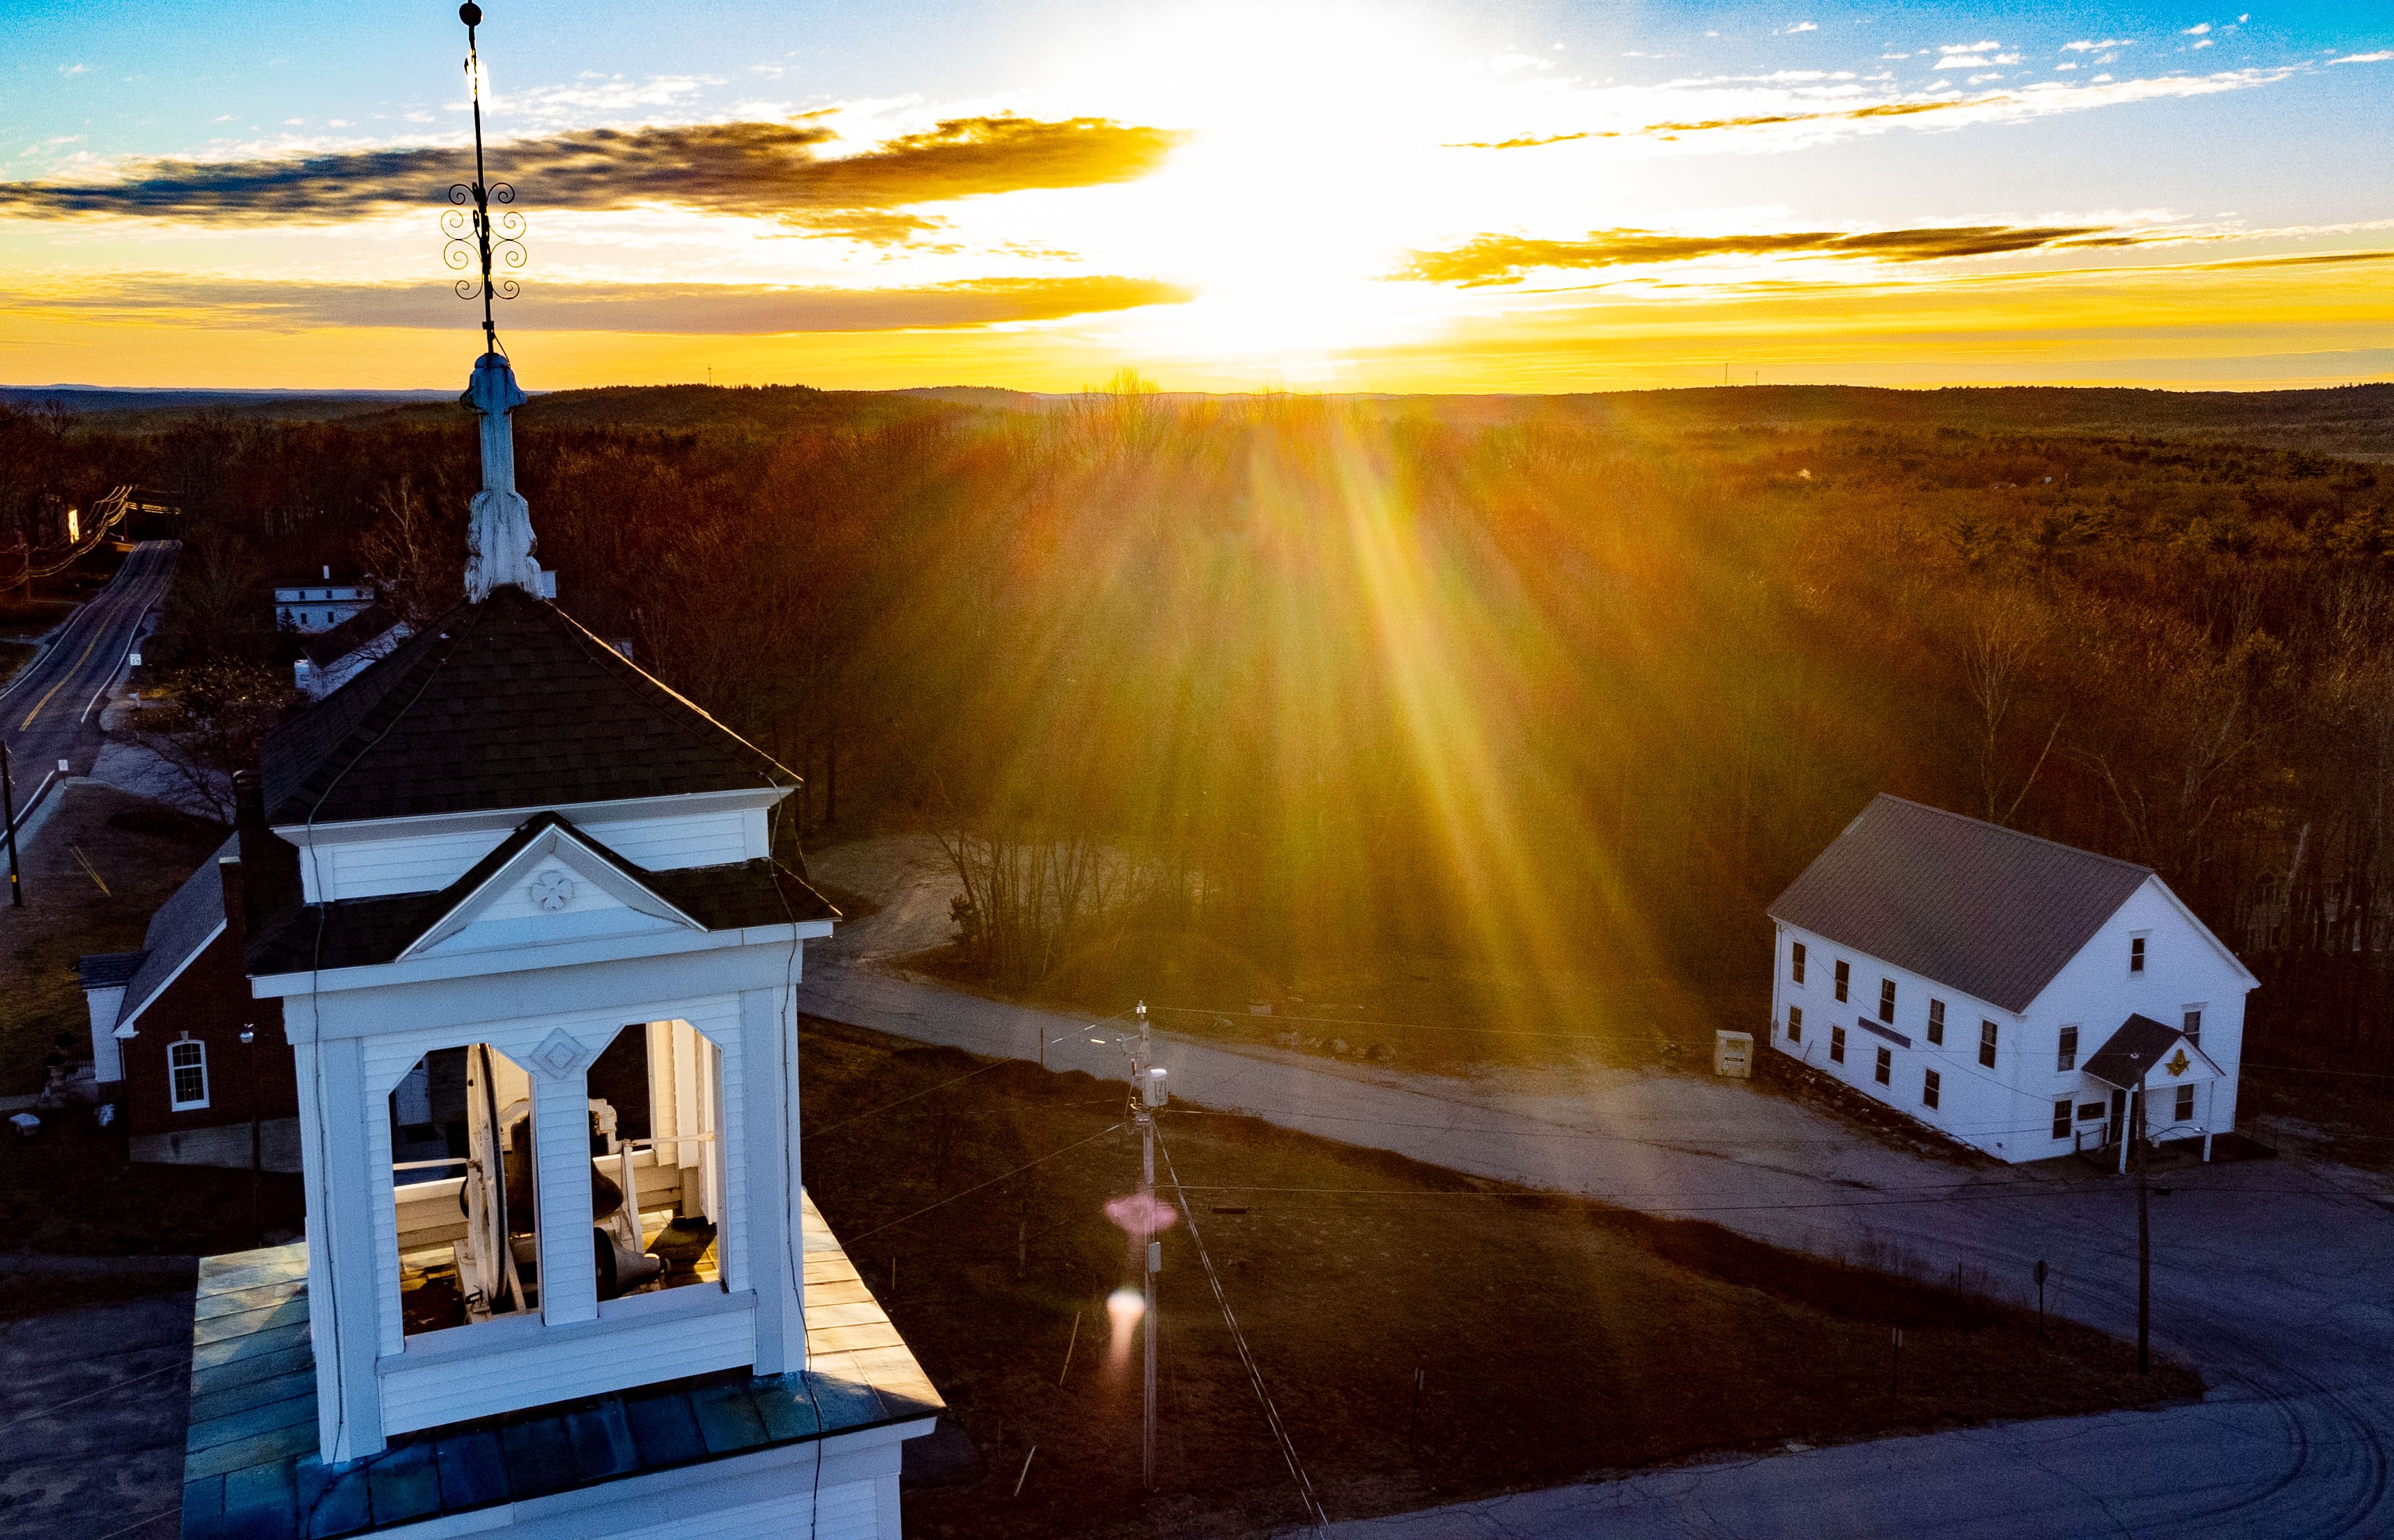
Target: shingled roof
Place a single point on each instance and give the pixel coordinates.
(358, 932)
(506, 703)
(183, 924)
(1990, 912)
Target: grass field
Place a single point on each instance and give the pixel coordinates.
(1554, 1338)
(67, 913)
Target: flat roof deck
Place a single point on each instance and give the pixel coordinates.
(250, 1465)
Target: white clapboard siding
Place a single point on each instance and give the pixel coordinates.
(375, 868)
(453, 1388)
(425, 863)
(801, 1510)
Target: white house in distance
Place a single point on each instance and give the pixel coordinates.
(311, 606)
(535, 923)
(2007, 991)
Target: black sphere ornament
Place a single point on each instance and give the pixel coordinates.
(470, 14)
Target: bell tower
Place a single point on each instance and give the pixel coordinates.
(535, 924)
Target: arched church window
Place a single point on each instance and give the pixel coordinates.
(465, 1190)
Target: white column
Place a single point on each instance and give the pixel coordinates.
(769, 1079)
(344, 1227)
(569, 1279)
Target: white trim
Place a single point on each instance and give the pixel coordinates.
(509, 819)
(564, 955)
(175, 1101)
(562, 842)
(126, 1018)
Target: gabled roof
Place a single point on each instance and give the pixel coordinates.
(1990, 912)
(2130, 1053)
(359, 933)
(182, 928)
(107, 970)
(505, 703)
(370, 624)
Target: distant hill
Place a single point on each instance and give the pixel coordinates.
(138, 410)
(2351, 422)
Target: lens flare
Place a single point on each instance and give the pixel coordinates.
(1123, 1308)
(1142, 1214)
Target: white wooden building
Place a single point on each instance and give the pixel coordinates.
(534, 922)
(2006, 990)
(311, 606)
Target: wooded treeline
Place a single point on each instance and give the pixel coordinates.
(1304, 679)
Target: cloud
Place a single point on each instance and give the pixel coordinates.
(773, 169)
(2197, 30)
(1528, 141)
(1487, 259)
(2380, 56)
(1945, 107)
(668, 310)
(1804, 27)
(1970, 58)
(2084, 46)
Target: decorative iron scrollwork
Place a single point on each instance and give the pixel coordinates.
(475, 235)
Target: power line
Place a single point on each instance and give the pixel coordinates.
(943, 1085)
(1246, 1355)
(993, 1182)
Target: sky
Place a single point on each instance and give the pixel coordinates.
(1291, 195)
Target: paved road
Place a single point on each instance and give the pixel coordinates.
(51, 710)
(2270, 1277)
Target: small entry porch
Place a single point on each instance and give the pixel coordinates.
(2147, 1077)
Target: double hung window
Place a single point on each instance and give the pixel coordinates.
(1845, 976)
(1795, 970)
(1931, 1083)
(1886, 1001)
(2062, 1118)
(1794, 1023)
(1937, 1021)
(1885, 1073)
(1987, 1044)
(2066, 1055)
(187, 1076)
(1837, 1044)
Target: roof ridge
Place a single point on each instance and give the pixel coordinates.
(600, 649)
(2015, 833)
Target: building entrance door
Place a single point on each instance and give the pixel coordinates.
(2117, 1129)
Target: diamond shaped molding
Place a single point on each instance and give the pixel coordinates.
(560, 1054)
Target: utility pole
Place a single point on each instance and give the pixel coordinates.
(1147, 1094)
(2144, 1230)
(8, 811)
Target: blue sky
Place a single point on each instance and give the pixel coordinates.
(1316, 151)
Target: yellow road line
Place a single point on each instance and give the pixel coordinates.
(62, 684)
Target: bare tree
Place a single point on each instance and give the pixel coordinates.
(208, 725)
(2004, 638)
(418, 566)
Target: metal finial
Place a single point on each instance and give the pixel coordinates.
(472, 230)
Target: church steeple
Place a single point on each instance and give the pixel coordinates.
(499, 542)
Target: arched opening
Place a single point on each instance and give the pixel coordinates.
(656, 1158)
(465, 1190)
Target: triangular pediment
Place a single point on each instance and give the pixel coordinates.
(2153, 1053)
(548, 883)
